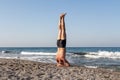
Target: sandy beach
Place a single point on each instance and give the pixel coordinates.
(15, 69)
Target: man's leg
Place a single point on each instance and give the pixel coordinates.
(63, 34)
(63, 37)
(59, 30)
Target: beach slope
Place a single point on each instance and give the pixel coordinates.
(16, 69)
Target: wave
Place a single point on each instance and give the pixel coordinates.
(37, 53)
(40, 53)
(80, 53)
(100, 54)
(6, 52)
(91, 66)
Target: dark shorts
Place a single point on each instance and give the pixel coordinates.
(61, 43)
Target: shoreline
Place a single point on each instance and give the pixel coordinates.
(17, 69)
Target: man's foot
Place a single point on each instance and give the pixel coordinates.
(62, 15)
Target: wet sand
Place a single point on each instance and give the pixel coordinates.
(15, 69)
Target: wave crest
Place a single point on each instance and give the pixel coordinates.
(37, 53)
(103, 54)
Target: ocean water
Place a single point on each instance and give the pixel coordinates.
(93, 57)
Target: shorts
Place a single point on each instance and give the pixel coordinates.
(61, 43)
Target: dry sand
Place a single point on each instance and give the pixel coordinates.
(15, 69)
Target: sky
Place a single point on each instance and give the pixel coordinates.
(34, 23)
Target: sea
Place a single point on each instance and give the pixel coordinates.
(91, 57)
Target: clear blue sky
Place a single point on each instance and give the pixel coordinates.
(34, 23)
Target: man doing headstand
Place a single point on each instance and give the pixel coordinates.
(61, 43)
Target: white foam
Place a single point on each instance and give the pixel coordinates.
(90, 66)
(103, 54)
(37, 53)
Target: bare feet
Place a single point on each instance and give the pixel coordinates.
(62, 15)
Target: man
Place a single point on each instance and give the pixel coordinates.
(61, 43)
